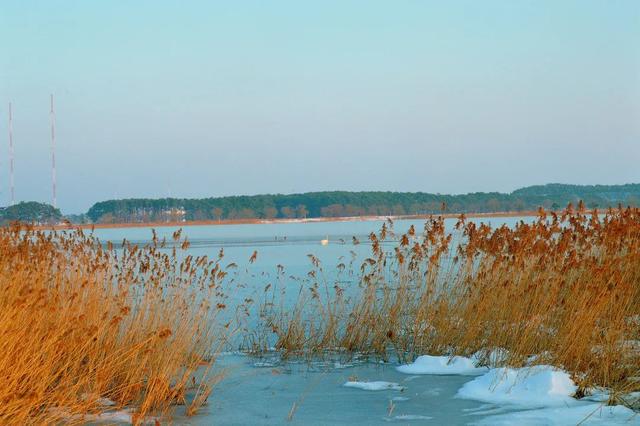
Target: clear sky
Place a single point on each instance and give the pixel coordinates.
(205, 98)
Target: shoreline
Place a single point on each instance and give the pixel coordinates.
(224, 222)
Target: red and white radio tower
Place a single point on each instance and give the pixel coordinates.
(52, 115)
(13, 196)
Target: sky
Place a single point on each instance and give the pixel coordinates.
(207, 98)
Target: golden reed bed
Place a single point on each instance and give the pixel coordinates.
(87, 330)
(84, 326)
(562, 289)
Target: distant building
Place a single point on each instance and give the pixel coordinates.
(175, 214)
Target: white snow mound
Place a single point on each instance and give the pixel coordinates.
(528, 387)
(442, 365)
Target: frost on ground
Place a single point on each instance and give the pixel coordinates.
(375, 386)
(528, 387)
(442, 365)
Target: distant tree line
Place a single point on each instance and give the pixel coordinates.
(344, 203)
(30, 212)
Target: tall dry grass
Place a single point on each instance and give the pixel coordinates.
(564, 290)
(84, 327)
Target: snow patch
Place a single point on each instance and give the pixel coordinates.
(399, 398)
(98, 399)
(528, 387)
(492, 357)
(442, 365)
(106, 402)
(408, 417)
(584, 414)
(120, 416)
(374, 386)
(124, 416)
(266, 364)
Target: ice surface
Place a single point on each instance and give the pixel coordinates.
(375, 386)
(253, 396)
(249, 395)
(442, 365)
(527, 387)
(583, 414)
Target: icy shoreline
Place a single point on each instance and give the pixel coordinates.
(431, 390)
(536, 395)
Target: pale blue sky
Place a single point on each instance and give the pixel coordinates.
(210, 98)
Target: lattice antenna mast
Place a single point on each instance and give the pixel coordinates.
(52, 115)
(11, 154)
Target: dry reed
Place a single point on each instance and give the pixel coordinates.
(87, 329)
(562, 290)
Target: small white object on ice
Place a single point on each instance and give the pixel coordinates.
(106, 402)
(400, 399)
(265, 364)
(375, 386)
(98, 399)
(123, 416)
(442, 365)
(528, 387)
(408, 417)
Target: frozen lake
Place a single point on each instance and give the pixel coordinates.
(285, 244)
(266, 391)
(256, 392)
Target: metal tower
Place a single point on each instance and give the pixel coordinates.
(11, 154)
(52, 115)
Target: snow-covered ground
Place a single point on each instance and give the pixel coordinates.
(582, 414)
(528, 387)
(536, 395)
(442, 365)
